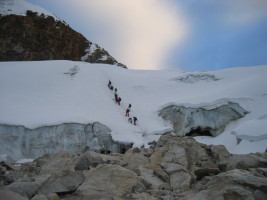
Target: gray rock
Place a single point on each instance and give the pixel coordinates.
(180, 181)
(200, 173)
(39, 197)
(176, 155)
(109, 180)
(172, 168)
(161, 174)
(66, 183)
(10, 195)
(27, 187)
(219, 152)
(52, 196)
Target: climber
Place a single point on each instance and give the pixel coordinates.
(116, 95)
(130, 120)
(110, 85)
(119, 101)
(134, 119)
(128, 110)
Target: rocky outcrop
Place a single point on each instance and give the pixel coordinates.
(20, 142)
(174, 168)
(39, 37)
(206, 119)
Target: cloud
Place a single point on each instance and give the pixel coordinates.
(139, 33)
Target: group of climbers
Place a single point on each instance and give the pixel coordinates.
(118, 101)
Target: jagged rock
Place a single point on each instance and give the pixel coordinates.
(150, 180)
(39, 197)
(200, 173)
(246, 161)
(27, 187)
(82, 164)
(172, 168)
(164, 186)
(109, 181)
(40, 37)
(62, 184)
(176, 155)
(234, 184)
(10, 195)
(52, 196)
(177, 168)
(140, 196)
(161, 174)
(133, 161)
(56, 163)
(180, 181)
(219, 152)
(94, 159)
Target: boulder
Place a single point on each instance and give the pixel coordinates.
(27, 187)
(234, 184)
(200, 173)
(109, 181)
(39, 197)
(172, 168)
(176, 155)
(180, 181)
(10, 195)
(62, 184)
(219, 152)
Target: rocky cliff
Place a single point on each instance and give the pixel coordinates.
(40, 37)
(174, 168)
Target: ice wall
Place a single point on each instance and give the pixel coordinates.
(212, 118)
(20, 142)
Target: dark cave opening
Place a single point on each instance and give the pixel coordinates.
(200, 131)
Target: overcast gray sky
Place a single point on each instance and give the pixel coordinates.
(192, 35)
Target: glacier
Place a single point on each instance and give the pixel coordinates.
(19, 142)
(45, 99)
(209, 119)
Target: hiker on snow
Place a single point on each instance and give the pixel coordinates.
(116, 95)
(110, 85)
(119, 101)
(128, 110)
(130, 120)
(134, 119)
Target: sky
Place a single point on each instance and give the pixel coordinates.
(192, 35)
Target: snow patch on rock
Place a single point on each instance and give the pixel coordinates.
(20, 7)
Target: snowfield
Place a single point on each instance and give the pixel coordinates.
(40, 93)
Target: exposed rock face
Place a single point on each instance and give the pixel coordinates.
(39, 37)
(209, 120)
(176, 168)
(20, 142)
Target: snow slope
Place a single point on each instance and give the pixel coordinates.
(39, 93)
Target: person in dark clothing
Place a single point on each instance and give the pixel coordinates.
(116, 95)
(128, 110)
(134, 120)
(119, 101)
(130, 120)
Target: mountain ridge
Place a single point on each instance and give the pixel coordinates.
(35, 36)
